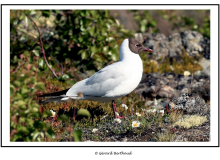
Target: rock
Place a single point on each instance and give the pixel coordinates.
(190, 104)
(205, 63)
(124, 139)
(206, 48)
(166, 120)
(179, 138)
(176, 44)
(191, 42)
(168, 85)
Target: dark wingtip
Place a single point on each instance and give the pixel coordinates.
(54, 94)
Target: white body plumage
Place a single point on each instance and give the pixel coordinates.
(111, 82)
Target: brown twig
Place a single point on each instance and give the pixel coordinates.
(41, 44)
(57, 62)
(15, 70)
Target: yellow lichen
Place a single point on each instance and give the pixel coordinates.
(189, 121)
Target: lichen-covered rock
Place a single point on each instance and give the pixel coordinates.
(168, 85)
(191, 42)
(191, 104)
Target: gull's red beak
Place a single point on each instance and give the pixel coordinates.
(148, 49)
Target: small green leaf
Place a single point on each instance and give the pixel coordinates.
(35, 135)
(34, 104)
(34, 109)
(51, 133)
(39, 124)
(25, 90)
(114, 57)
(27, 12)
(46, 13)
(94, 49)
(83, 112)
(20, 103)
(143, 22)
(12, 88)
(63, 117)
(30, 122)
(32, 80)
(41, 86)
(36, 52)
(17, 83)
(46, 114)
(77, 135)
(143, 28)
(92, 31)
(84, 55)
(80, 39)
(21, 119)
(23, 130)
(41, 63)
(23, 107)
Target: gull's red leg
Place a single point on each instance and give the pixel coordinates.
(115, 110)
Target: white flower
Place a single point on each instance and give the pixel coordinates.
(143, 109)
(116, 113)
(151, 110)
(161, 112)
(53, 113)
(94, 130)
(187, 73)
(138, 114)
(135, 124)
(117, 120)
(125, 106)
(155, 102)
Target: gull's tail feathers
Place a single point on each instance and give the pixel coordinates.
(55, 96)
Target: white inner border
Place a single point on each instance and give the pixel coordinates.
(6, 74)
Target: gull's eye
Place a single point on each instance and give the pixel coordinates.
(137, 45)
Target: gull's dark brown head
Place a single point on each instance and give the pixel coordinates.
(136, 47)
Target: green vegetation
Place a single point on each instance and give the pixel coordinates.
(145, 21)
(181, 21)
(86, 36)
(82, 40)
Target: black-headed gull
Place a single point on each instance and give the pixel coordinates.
(111, 82)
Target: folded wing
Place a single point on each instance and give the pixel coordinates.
(102, 82)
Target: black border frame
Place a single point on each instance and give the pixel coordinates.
(110, 5)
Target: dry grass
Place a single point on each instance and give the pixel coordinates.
(165, 137)
(175, 115)
(163, 65)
